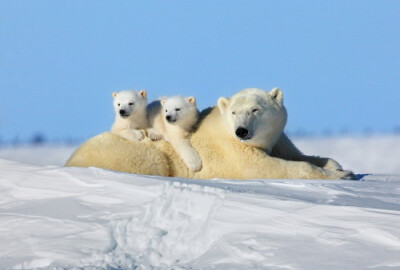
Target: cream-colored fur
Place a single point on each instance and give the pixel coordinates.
(173, 119)
(130, 114)
(266, 124)
(223, 156)
(255, 117)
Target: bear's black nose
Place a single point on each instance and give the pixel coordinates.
(121, 112)
(168, 117)
(241, 132)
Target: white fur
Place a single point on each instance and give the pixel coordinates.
(222, 154)
(259, 114)
(174, 119)
(130, 114)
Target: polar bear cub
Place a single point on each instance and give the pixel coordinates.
(173, 119)
(130, 114)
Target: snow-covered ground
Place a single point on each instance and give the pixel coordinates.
(89, 218)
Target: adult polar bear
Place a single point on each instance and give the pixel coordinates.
(216, 141)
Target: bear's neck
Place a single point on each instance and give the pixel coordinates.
(137, 120)
(269, 141)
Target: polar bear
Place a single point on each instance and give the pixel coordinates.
(258, 118)
(130, 114)
(223, 155)
(255, 117)
(173, 119)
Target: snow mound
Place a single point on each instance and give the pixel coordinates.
(89, 218)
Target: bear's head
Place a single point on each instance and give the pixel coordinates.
(127, 102)
(181, 111)
(255, 117)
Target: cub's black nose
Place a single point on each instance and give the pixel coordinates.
(121, 112)
(241, 132)
(168, 117)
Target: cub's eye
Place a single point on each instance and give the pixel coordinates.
(177, 109)
(166, 110)
(130, 103)
(254, 110)
(119, 104)
(234, 113)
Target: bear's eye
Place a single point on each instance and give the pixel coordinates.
(254, 110)
(130, 103)
(177, 109)
(166, 110)
(119, 104)
(234, 113)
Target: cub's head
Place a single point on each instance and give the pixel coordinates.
(180, 111)
(129, 101)
(255, 117)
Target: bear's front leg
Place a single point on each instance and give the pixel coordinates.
(329, 174)
(154, 135)
(306, 170)
(285, 149)
(261, 165)
(325, 163)
(332, 165)
(131, 134)
(188, 154)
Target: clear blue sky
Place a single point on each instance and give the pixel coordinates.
(338, 62)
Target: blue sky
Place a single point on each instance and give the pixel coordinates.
(337, 62)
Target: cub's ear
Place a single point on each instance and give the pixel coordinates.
(192, 100)
(222, 104)
(114, 94)
(162, 102)
(143, 93)
(277, 94)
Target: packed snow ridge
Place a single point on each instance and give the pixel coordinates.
(53, 217)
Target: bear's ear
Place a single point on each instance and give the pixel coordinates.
(162, 102)
(192, 100)
(143, 93)
(222, 104)
(277, 94)
(114, 94)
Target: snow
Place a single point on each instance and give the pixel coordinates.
(38, 155)
(371, 154)
(89, 218)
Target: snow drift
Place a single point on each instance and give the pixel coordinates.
(89, 218)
